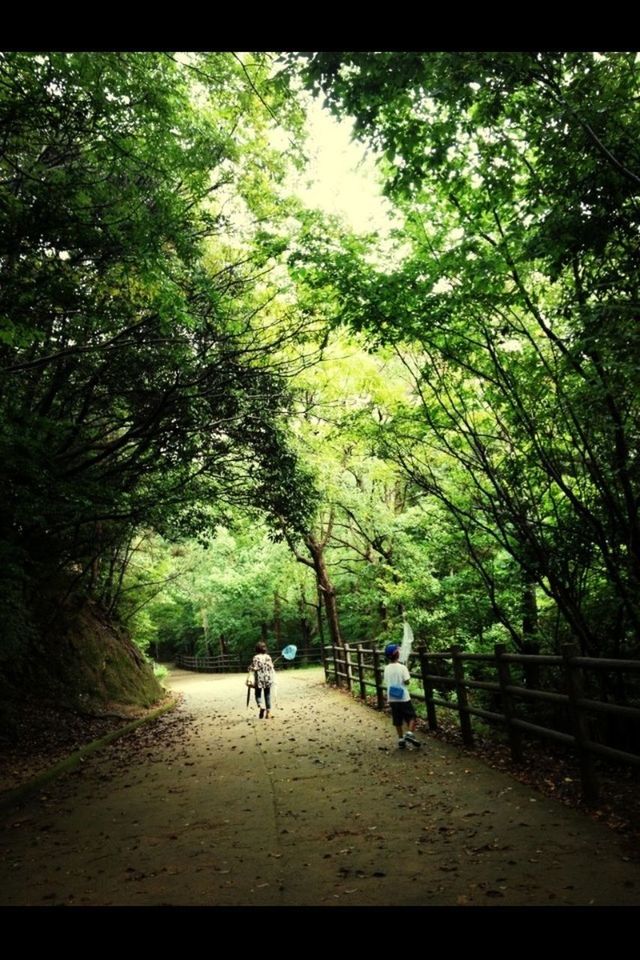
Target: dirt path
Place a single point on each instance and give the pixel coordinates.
(314, 807)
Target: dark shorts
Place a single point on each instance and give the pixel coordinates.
(401, 711)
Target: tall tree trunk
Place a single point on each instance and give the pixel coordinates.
(326, 588)
(319, 616)
(305, 626)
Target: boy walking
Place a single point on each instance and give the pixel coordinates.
(396, 680)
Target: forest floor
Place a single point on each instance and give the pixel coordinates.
(208, 805)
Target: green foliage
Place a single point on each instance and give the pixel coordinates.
(138, 389)
(189, 434)
(241, 588)
(513, 315)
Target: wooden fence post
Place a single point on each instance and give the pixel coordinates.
(325, 664)
(427, 687)
(461, 695)
(363, 689)
(377, 669)
(580, 723)
(339, 655)
(336, 675)
(508, 705)
(347, 665)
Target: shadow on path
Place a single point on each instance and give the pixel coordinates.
(317, 806)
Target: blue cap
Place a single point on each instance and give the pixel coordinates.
(390, 649)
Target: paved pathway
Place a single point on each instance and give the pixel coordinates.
(314, 807)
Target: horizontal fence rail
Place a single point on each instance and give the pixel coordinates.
(455, 680)
(305, 657)
(223, 663)
(231, 663)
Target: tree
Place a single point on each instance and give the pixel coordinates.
(222, 597)
(517, 175)
(136, 387)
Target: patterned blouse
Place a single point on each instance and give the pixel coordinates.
(262, 664)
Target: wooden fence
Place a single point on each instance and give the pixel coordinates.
(450, 679)
(228, 663)
(222, 663)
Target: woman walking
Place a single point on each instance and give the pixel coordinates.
(265, 675)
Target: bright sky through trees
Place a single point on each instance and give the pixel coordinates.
(341, 177)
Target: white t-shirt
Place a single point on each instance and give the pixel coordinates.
(394, 676)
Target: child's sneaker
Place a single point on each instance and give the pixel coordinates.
(401, 744)
(412, 739)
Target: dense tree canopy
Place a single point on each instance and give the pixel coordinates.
(515, 313)
(333, 434)
(138, 341)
